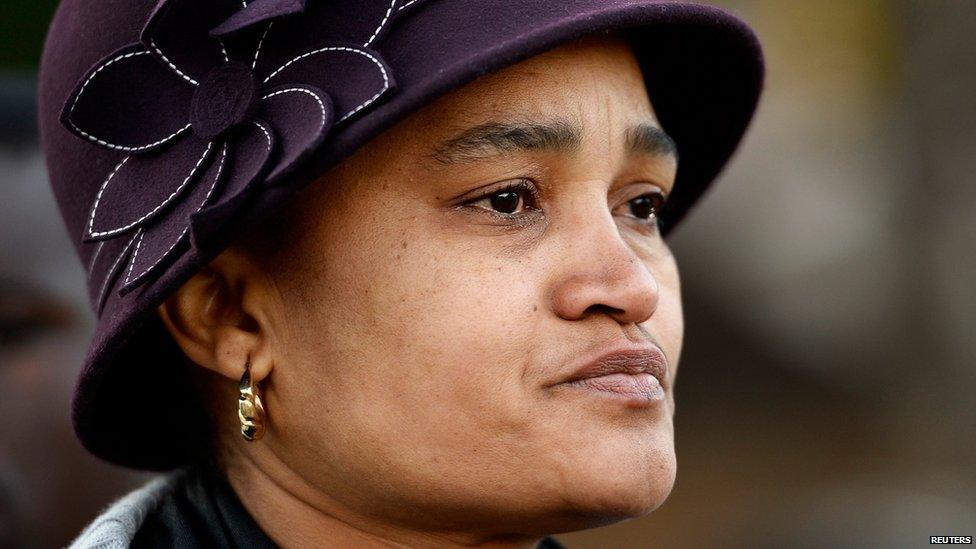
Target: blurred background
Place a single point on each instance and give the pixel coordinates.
(827, 390)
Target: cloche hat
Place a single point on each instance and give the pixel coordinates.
(169, 126)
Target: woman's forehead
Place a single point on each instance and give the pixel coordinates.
(548, 101)
(570, 76)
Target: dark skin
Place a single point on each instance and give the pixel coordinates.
(407, 335)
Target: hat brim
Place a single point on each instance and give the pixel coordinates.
(134, 404)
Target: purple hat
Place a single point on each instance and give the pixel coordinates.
(169, 126)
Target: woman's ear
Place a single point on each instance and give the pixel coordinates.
(214, 317)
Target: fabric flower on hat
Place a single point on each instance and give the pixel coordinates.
(212, 103)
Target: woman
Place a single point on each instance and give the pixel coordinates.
(385, 273)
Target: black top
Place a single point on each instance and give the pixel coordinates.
(204, 511)
(201, 511)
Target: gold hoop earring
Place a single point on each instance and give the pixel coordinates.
(250, 410)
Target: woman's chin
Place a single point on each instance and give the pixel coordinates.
(604, 505)
(595, 502)
(612, 482)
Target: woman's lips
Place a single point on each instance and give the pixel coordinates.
(637, 389)
(637, 376)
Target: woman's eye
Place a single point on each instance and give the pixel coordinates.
(511, 200)
(518, 199)
(646, 206)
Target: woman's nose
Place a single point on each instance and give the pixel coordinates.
(600, 272)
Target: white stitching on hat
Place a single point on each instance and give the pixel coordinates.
(102, 142)
(386, 78)
(91, 264)
(111, 271)
(132, 263)
(135, 254)
(305, 90)
(98, 197)
(171, 64)
(124, 148)
(257, 52)
(263, 129)
(382, 23)
(408, 4)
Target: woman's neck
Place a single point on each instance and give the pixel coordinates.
(293, 513)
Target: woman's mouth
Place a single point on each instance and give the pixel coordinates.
(638, 390)
(635, 376)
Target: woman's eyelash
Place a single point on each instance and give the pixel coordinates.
(519, 189)
(650, 204)
(645, 208)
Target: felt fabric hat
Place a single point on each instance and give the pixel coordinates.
(168, 126)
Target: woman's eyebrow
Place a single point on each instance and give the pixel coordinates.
(495, 138)
(646, 138)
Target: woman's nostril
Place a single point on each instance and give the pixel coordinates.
(600, 308)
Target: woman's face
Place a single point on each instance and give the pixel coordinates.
(422, 318)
